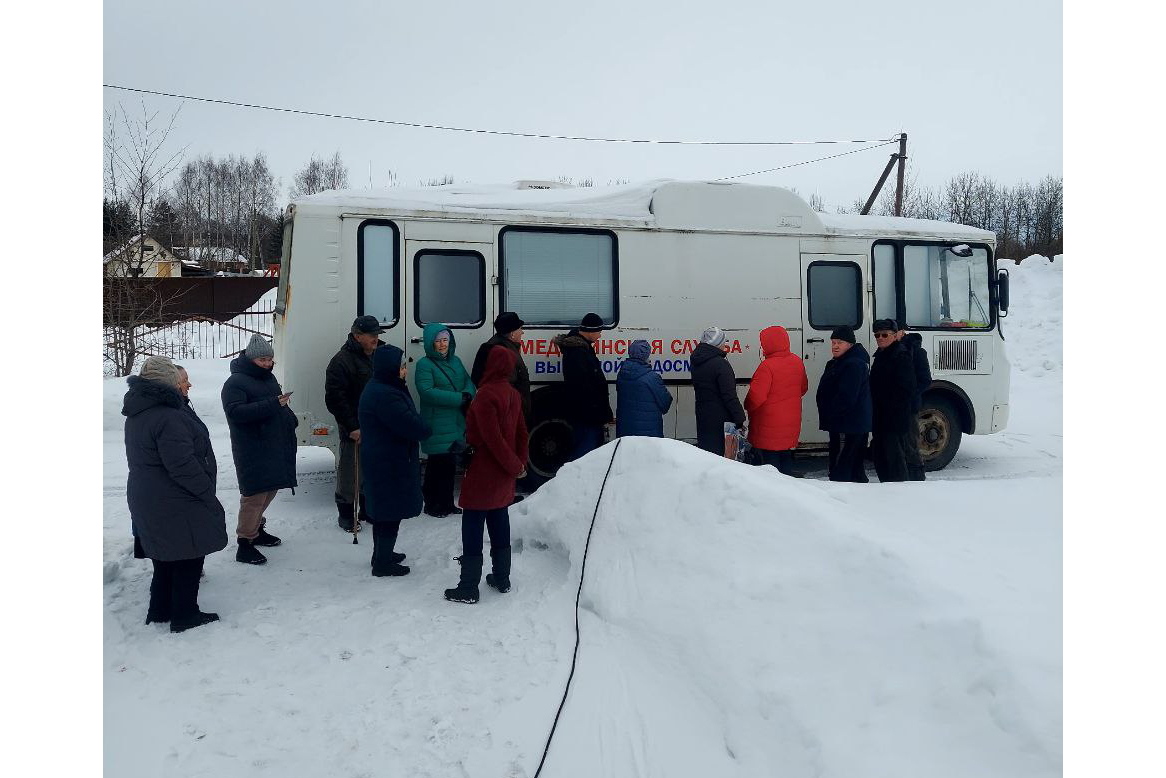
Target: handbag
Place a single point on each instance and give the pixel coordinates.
(463, 451)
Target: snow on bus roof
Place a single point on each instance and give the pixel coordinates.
(852, 223)
(609, 202)
(689, 205)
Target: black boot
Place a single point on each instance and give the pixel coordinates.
(184, 596)
(248, 554)
(385, 561)
(344, 516)
(160, 585)
(265, 538)
(467, 588)
(500, 562)
(199, 619)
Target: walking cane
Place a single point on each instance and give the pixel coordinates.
(356, 501)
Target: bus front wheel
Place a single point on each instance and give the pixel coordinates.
(940, 432)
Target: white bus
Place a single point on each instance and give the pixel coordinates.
(659, 261)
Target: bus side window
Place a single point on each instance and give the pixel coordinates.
(886, 289)
(835, 291)
(378, 271)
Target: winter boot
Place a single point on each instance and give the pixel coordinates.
(344, 516)
(386, 562)
(160, 585)
(467, 588)
(265, 538)
(248, 554)
(435, 512)
(198, 620)
(500, 562)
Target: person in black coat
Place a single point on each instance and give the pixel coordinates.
(508, 333)
(176, 516)
(390, 457)
(263, 442)
(588, 402)
(715, 386)
(344, 380)
(913, 342)
(844, 406)
(892, 391)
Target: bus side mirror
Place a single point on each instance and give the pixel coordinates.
(1002, 291)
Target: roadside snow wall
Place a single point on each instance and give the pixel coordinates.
(736, 622)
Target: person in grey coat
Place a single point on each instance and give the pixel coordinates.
(177, 518)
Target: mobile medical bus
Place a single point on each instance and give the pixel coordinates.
(659, 261)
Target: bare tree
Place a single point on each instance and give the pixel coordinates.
(320, 175)
(817, 204)
(137, 164)
(443, 181)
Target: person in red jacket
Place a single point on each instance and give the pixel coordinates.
(496, 430)
(774, 401)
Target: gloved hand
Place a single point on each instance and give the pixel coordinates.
(466, 398)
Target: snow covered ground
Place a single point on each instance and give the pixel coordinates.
(734, 622)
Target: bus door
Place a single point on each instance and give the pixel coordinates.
(833, 295)
(448, 282)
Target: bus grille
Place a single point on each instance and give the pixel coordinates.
(959, 354)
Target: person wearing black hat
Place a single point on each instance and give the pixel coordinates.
(913, 342)
(508, 333)
(344, 380)
(892, 391)
(588, 402)
(844, 406)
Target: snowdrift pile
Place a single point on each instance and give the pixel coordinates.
(738, 622)
(1036, 311)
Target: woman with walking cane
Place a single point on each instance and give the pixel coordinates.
(389, 457)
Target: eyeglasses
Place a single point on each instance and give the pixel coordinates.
(884, 335)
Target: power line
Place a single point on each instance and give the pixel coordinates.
(808, 161)
(419, 125)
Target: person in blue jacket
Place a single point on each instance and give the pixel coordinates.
(641, 397)
(391, 431)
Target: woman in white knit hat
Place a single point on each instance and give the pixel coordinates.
(715, 386)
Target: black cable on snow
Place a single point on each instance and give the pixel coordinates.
(578, 594)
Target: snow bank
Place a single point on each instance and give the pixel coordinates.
(1034, 326)
(734, 620)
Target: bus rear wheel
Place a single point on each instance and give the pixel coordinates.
(551, 443)
(940, 432)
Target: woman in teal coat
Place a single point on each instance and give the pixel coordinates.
(445, 390)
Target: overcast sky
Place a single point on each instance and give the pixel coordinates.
(977, 86)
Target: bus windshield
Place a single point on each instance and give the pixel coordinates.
(944, 290)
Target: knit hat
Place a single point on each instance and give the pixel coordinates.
(886, 325)
(639, 350)
(843, 333)
(160, 369)
(258, 347)
(714, 336)
(592, 322)
(507, 322)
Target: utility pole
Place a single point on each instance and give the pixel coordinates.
(879, 186)
(902, 168)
